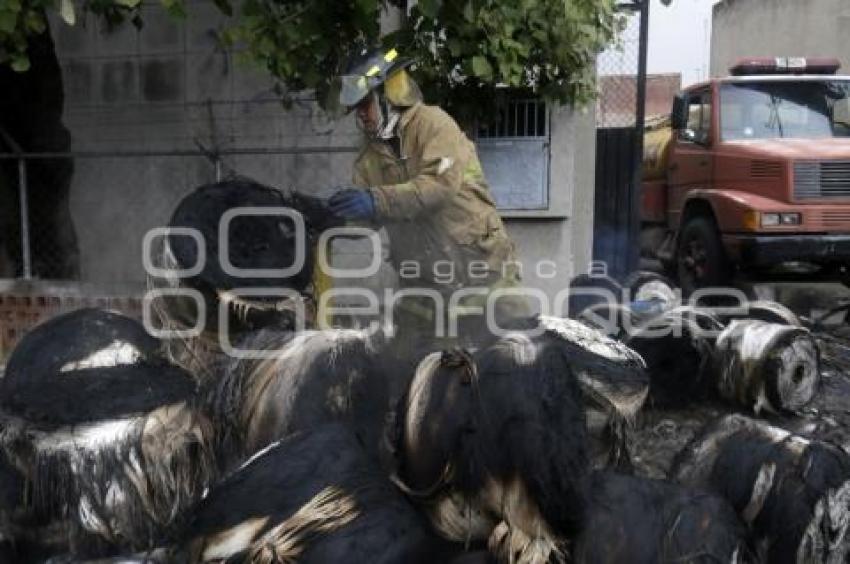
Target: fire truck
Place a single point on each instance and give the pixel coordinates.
(750, 175)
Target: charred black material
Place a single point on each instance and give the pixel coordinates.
(793, 493)
(107, 433)
(633, 520)
(313, 497)
(762, 310)
(767, 366)
(587, 290)
(531, 426)
(646, 285)
(678, 349)
(254, 241)
(264, 241)
(306, 380)
(89, 365)
(11, 486)
(495, 446)
(613, 382)
(614, 320)
(11, 496)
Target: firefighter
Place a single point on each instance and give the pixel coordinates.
(419, 177)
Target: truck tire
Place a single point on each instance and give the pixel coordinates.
(700, 259)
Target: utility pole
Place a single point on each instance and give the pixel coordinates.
(633, 250)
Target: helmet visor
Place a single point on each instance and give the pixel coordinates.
(353, 88)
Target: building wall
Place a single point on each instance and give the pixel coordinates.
(171, 88)
(617, 99)
(777, 28)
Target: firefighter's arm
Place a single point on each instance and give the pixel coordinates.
(439, 177)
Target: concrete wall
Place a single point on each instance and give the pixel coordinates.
(170, 87)
(776, 28)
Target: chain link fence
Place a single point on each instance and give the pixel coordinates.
(621, 79)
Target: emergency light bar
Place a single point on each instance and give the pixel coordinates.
(785, 65)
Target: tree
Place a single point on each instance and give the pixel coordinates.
(466, 50)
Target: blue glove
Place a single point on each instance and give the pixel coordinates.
(352, 203)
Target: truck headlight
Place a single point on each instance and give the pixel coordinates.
(790, 219)
(770, 219)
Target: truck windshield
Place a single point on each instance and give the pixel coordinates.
(773, 109)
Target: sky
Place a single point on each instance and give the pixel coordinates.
(679, 41)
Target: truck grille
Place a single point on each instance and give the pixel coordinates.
(834, 219)
(765, 169)
(826, 179)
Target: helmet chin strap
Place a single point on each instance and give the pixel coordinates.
(388, 117)
(390, 121)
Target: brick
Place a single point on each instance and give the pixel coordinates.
(77, 79)
(162, 80)
(121, 40)
(208, 77)
(203, 22)
(251, 83)
(119, 82)
(72, 40)
(161, 33)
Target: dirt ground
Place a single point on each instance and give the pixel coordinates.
(661, 433)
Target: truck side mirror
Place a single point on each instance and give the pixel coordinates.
(679, 117)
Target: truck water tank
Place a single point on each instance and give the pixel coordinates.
(656, 148)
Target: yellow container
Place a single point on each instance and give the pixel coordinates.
(657, 139)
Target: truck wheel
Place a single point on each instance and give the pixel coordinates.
(700, 258)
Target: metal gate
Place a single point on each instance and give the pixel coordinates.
(619, 144)
(612, 242)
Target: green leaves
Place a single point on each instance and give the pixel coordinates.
(481, 68)
(175, 8)
(67, 12)
(20, 63)
(429, 8)
(466, 50)
(469, 12)
(224, 6)
(8, 20)
(469, 49)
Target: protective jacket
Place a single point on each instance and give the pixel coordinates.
(431, 195)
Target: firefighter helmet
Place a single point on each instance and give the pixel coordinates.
(372, 68)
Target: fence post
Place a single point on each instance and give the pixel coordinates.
(26, 251)
(26, 256)
(633, 255)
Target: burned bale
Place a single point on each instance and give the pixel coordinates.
(298, 381)
(613, 381)
(156, 556)
(276, 231)
(588, 290)
(11, 497)
(766, 366)
(267, 230)
(315, 496)
(87, 362)
(108, 435)
(761, 310)
(644, 286)
(632, 520)
(494, 447)
(678, 348)
(793, 493)
(612, 320)
(11, 486)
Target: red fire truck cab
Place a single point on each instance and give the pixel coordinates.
(756, 176)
